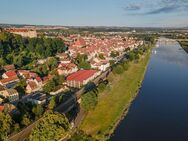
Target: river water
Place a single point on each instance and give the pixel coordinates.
(160, 111)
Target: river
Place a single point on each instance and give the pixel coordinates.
(160, 111)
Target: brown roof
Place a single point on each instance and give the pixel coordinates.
(10, 79)
(9, 67)
(32, 85)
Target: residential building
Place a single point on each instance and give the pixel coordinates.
(23, 32)
(101, 65)
(65, 69)
(32, 86)
(81, 78)
(37, 98)
(9, 82)
(11, 94)
(9, 67)
(9, 74)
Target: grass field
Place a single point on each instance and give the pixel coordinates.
(113, 103)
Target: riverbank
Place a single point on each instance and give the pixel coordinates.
(184, 45)
(114, 103)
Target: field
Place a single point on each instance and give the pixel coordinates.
(115, 101)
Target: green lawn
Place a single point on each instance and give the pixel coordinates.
(113, 103)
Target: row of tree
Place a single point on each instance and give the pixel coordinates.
(21, 51)
(26, 114)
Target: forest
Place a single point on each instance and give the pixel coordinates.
(20, 51)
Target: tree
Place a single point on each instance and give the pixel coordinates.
(52, 126)
(81, 61)
(131, 56)
(52, 103)
(81, 136)
(89, 101)
(20, 86)
(25, 120)
(5, 125)
(52, 63)
(101, 56)
(114, 54)
(125, 65)
(49, 86)
(101, 86)
(37, 111)
(118, 69)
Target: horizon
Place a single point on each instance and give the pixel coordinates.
(109, 13)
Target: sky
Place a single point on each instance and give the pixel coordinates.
(131, 13)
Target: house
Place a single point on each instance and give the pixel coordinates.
(9, 74)
(37, 98)
(80, 42)
(38, 81)
(9, 82)
(32, 87)
(9, 67)
(23, 32)
(11, 94)
(65, 69)
(81, 78)
(102, 65)
(26, 74)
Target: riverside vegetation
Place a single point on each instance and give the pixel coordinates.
(114, 97)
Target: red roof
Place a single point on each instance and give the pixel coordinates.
(38, 79)
(81, 75)
(10, 73)
(10, 79)
(1, 108)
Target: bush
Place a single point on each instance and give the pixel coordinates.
(89, 100)
(125, 65)
(81, 136)
(52, 126)
(118, 69)
(101, 86)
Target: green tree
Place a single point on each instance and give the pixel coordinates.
(125, 65)
(52, 63)
(5, 125)
(49, 86)
(81, 61)
(37, 111)
(101, 56)
(101, 86)
(118, 69)
(89, 101)
(81, 136)
(25, 120)
(114, 54)
(52, 103)
(52, 126)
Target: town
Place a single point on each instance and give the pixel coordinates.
(82, 59)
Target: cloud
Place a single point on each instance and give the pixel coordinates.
(157, 7)
(166, 9)
(132, 7)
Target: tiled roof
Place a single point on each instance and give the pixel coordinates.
(10, 73)
(10, 79)
(81, 75)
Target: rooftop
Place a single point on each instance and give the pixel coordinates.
(81, 75)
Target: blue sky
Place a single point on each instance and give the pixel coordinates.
(145, 13)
